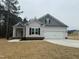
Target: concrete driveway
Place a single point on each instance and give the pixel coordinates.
(65, 42)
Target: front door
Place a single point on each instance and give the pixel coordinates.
(19, 32)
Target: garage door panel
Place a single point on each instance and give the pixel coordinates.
(54, 35)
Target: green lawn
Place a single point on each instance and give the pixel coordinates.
(36, 50)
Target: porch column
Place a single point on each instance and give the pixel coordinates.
(14, 32)
(24, 32)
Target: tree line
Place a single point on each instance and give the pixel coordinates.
(9, 11)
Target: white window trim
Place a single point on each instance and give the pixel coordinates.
(34, 31)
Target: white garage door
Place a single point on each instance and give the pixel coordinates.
(54, 35)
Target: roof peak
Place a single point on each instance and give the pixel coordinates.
(54, 21)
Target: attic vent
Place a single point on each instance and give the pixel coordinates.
(49, 21)
(45, 21)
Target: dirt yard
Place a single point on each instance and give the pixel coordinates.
(36, 50)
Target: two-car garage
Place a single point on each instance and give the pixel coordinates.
(55, 35)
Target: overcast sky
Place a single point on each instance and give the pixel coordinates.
(66, 11)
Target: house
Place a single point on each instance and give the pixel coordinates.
(47, 27)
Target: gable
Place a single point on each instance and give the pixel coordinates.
(18, 25)
(49, 20)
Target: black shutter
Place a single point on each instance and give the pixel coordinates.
(39, 31)
(29, 31)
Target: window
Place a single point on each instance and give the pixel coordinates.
(47, 21)
(33, 31)
(36, 30)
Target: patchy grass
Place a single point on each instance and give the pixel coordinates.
(36, 50)
(74, 37)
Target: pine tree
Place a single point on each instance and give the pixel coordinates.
(11, 6)
(11, 11)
